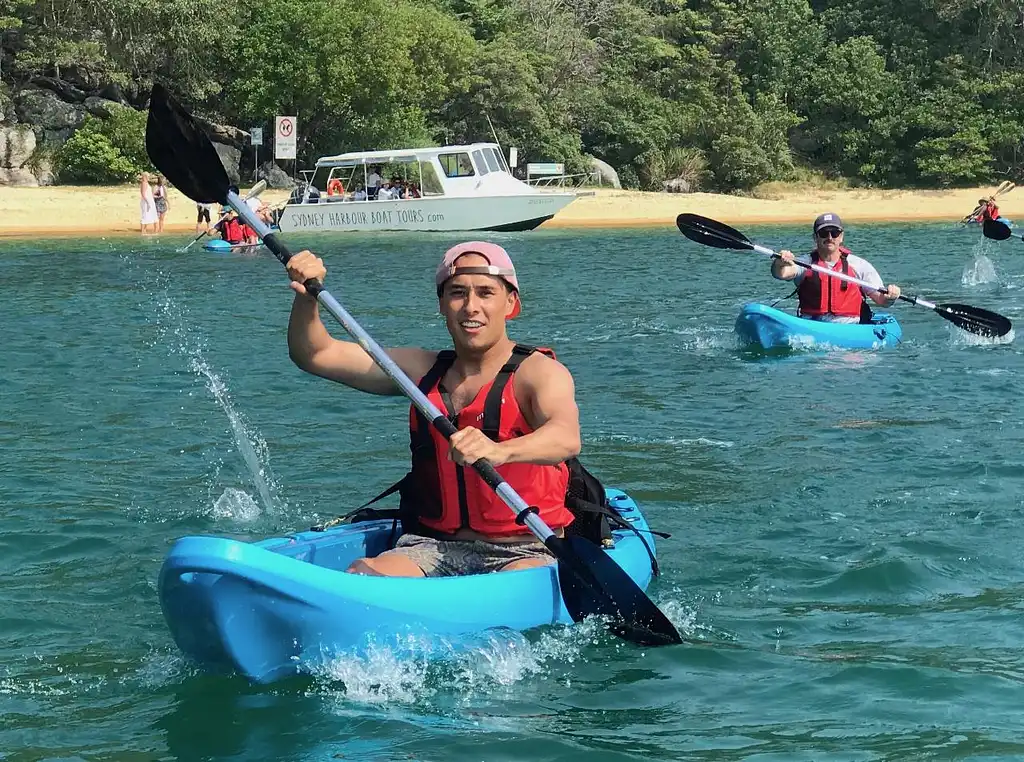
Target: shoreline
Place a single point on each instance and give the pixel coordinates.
(33, 212)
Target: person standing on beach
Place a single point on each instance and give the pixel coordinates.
(147, 207)
(830, 299)
(160, 202)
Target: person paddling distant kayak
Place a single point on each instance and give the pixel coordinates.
(523, 398)
(987, 210)
(832, 299)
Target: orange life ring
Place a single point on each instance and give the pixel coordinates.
(335, 188)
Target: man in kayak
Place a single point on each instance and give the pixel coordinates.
(523, 398)
(831, 299)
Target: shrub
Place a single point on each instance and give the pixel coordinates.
(88, 157)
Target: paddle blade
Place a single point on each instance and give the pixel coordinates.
(179, 148)
(996, 230)
(709, 232)
(593, 584)
(975, 320)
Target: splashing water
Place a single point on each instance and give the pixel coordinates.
(980, 269)
(252, 447)
(177, 334)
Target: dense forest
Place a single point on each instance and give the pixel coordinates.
(725, 94)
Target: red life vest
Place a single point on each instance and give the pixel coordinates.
(233, 231)
(834, 297)
(450, 497)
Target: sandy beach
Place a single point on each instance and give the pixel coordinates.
(64, 210)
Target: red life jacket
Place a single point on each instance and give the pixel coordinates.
(450, 497)
(233, 231)
(991, 211)
(835, 297)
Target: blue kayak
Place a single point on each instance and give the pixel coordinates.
(219, 244)
(770, 328)
(284, 605)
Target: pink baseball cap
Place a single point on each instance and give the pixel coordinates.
(499, 264)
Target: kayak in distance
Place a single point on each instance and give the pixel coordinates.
(769, 328)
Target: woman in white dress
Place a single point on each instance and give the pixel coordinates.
(147, 206)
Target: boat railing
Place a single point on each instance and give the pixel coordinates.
(561, 181)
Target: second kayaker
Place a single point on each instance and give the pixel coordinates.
(832, 299)
(513, 405)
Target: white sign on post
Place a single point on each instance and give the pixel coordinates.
(513, 156)
(285, 133)
(256, 136)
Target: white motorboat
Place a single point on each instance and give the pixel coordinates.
(459, 187)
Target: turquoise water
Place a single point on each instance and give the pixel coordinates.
(845, 556)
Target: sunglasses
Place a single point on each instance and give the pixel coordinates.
(829, 233)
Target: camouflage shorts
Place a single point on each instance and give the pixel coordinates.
(452, 558)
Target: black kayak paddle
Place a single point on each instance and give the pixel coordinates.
(591, 582)
(710, 232)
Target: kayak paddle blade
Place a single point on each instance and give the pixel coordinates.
(996, 230)
(180, 149)
(592, 584)
(709, 232)
(991, 325)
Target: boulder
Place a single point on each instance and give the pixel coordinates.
(16, 146)
(101, 107)
(112, 92)
(230, 157)
(603, 173)
(22, 176)
(274, 175)
(44, 109)
(65, 90)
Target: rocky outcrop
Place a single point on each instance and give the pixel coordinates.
(45, 109)
(274, 175)
(36, 121)
(230, 157)
(603, 173)
(17, 145)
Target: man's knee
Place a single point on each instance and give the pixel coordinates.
(386, 565)
(527, 563)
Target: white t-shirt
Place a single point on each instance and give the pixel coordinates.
(384, 194)
(372, 180)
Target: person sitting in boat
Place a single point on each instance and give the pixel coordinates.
(831, 299)
(384, 193)
(524, 398)
(360, 194)
(413, 191)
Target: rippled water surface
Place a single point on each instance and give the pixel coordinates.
(845, 559)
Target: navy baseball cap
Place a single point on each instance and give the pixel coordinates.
(827, 220)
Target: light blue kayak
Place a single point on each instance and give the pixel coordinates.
(219, 244)
(770, 328)
(273, 608)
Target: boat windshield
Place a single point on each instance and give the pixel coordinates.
(358, 174)
(456, 164)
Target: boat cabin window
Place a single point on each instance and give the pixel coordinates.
(478, 157)
(456, 164)
(500, 157)
(492, 163)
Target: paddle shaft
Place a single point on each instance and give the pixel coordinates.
(487, 472)
(843, 276)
